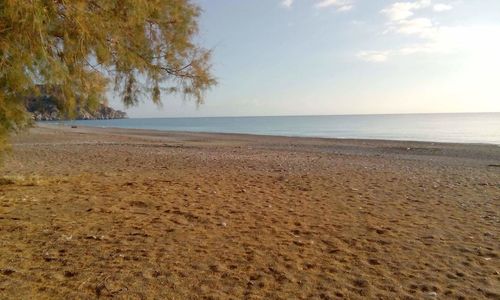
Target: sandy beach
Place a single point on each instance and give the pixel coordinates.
(130, 214)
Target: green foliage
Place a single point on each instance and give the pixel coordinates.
(77, 48)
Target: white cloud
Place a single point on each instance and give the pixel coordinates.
(345, 8)
(401, 21)
(474, 42)
(403, 10)
(287, 3)
(384, 55)
(442, 7)
(339, 5)
(422, 27)
(422, 35)
(373, 56)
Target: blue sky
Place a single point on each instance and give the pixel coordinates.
(309, 57)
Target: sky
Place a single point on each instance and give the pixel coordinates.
(328, 57)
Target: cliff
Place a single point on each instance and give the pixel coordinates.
(45, 108)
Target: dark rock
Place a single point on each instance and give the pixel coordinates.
(45, 108)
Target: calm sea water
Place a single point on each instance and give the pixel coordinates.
(461, 128)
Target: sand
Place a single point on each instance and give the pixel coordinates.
(97, 213)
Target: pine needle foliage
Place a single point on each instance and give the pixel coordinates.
(77, 49)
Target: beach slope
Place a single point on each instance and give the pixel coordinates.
(132, 214)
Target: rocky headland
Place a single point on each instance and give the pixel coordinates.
(45, 108)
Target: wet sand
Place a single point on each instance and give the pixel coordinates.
(130, 214)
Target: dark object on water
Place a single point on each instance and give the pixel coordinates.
(74, 126)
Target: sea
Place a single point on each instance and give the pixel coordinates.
(481, 128)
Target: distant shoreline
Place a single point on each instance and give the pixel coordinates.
(480, 152)
(471, 128)
(325, 115)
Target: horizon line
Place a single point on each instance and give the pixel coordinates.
(320, 115)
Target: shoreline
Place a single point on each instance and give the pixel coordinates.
(483, 154)
(472, 128)
(256, 135)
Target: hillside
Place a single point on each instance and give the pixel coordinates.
(45, 108)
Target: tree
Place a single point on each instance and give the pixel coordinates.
(78, 48)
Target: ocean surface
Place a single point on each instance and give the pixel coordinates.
(459, 128)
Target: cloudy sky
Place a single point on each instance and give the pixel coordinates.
(308, 57)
